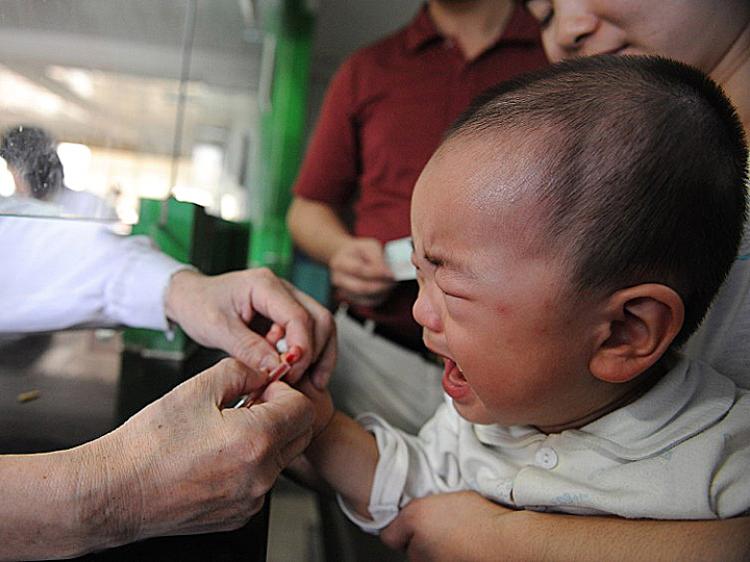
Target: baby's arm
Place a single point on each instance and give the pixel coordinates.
(342, 453)
(378, 469)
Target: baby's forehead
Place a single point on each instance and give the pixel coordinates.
(475, 188)
(497, 171)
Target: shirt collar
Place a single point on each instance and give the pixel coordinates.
(421, 30)
(690, 398)
(520, 29)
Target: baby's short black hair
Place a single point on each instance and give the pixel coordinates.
(640, 166)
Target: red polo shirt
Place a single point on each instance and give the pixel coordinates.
(384, 114)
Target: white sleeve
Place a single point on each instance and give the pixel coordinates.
(59, 274)
(409, 466)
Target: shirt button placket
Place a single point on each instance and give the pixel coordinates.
(546, 457)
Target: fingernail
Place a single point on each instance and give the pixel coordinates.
(269, 363)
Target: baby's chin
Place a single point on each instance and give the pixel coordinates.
(475, 412)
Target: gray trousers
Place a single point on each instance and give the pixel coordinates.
(375, 375)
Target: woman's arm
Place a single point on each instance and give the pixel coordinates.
(357, 265)
(427, 530)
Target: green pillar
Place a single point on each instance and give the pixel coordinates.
(289, 29)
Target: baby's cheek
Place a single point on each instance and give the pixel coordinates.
(464, 349)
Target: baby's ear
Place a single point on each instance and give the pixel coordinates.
(638, 326)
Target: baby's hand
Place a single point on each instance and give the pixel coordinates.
(322, 403)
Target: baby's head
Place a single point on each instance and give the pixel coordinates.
(574, 225)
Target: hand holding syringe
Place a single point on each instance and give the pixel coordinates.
(288, 358)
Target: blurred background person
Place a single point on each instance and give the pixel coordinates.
(384, 114)
(32, 159)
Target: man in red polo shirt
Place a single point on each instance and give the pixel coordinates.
(384, 114)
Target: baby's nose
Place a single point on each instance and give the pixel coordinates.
(426, 315)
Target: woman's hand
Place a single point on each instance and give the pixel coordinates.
(216, 311)
(451, 527)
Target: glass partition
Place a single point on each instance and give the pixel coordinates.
(105, 102)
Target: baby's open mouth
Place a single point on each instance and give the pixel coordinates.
(454, 382)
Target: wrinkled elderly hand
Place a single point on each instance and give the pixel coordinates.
(216, 310)
(185, 465)
(359, 272)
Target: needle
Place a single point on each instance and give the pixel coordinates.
(288, 359)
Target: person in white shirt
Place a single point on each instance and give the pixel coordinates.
(128, 485)
(559, 273)
(64, 274)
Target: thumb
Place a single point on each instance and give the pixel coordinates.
(397, 535)
(371, 250)
(251, 348)
(374, 255)
(284, 419)
(230, 379)
(287, 405)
